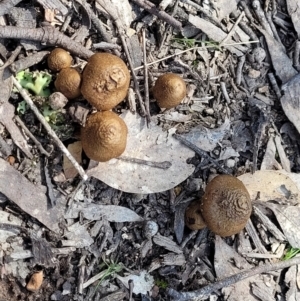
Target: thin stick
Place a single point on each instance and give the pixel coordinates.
(146, 82)
(151, 8)
(135, 81)
(11, 58)
(232, 30)
(200, 152)
(207, 290)
(162, 165)
(31, 136)
(48, 35)
(190, 49)
(51, 133)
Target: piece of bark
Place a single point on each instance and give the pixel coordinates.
(35, 281)
(29, 197)
(167, 243)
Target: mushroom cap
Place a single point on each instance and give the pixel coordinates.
(105, 81)
(226, 205)
(193, 216)
(68, 82)
(104, 136)
(59, 59)
(169, 90)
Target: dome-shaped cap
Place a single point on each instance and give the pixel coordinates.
(169, 90)
(105, 81)
(226, 205)
(104, 136)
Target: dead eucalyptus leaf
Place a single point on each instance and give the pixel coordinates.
(228, 262)
(288, 219)
(111, 213)
(141, 284)
(150, 144)
(272, 184)
(207, 139)
(290, 101)
(75, 149)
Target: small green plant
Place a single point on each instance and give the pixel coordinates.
(290, 253)
(112, 268)
(161, 283)
(36, 82)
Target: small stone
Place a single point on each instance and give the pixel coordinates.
(230, 163)
(57, 100)
(150, 229)
(252, 73)
(35, 281)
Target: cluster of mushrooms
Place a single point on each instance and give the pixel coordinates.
(104, 83)
(224, 209)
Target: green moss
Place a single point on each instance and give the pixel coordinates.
(35, 82)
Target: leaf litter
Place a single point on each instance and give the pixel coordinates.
(279, 186)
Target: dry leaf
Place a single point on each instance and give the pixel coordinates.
(272, 184)
(142, 284)
(69, 170)
(288, 219)
(35, 281)
(228, 262)
(111, 213)
(150, 144)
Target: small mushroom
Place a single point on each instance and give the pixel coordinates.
(193, 216)
(169, 90)
(105, 81)
(226, 205)
(59, 59)
(104, 136)
(68, 82)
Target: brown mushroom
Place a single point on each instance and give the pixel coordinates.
(104, 136)
(68, 82)
(226, 205)
(59, 59)
(193, 216)
(105, 81)
(169, 90)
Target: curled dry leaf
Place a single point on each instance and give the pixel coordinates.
(35, 281)
(150, 144)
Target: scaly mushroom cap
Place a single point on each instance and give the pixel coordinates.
(169, 90)
(226, 205)
(105, 81)
(104, 136)
(68, 82)
(193, 216)
(59, 59)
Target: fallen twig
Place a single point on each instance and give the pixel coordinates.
(48, 35)
(151, 8)
(205, 291)
(31, 136)
(51, 133)
(200, 152)
(146, 82)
